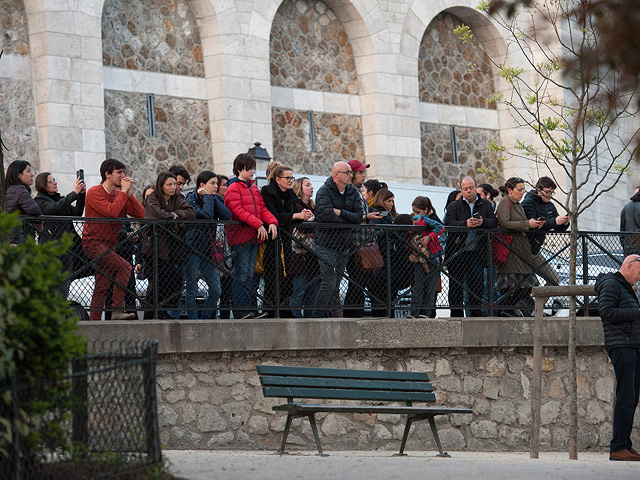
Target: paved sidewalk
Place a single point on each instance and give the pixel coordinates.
(359, 465)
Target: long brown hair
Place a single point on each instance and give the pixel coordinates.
(159, 193)
(383, 195)
(297, 189)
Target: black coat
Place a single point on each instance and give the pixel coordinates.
(350, 206)
(283, 205)
(59, 205)
(18, 197)
(619, 311)
(458, 212)
(535, 207)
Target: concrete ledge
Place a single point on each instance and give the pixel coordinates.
(192, 336)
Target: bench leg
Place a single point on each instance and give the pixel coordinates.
(314, 428)
(432, 422)
(287, 426)
(407, 427)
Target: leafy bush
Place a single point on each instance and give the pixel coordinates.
(38, 335)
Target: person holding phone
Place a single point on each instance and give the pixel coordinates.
(383, 204)
(538, 204)
(466, 249)
(515, 276)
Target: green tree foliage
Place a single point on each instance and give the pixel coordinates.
(38, 335)
(38, 339)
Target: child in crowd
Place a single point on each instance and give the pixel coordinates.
(426, 258)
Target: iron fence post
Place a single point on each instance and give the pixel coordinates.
(80, 401)
(490, 279)
(388, 276)
(149, 356)
(585, 273)
(279, 269)
(154, 234)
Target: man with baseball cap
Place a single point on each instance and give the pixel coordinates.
(361, 280)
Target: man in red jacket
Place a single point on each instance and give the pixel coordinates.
(111, 199)
(246, 204)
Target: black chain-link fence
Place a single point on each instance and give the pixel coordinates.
(99, 422)
(195, 269)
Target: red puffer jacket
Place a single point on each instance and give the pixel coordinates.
(246, 205)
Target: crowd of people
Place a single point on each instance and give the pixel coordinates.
(317, 243)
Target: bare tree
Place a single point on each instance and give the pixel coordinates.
(569, 111)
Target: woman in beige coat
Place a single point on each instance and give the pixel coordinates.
(515, 276)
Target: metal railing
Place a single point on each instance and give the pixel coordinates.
(99, 422)
(193, 269)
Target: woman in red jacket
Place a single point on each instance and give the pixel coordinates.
(245, 202)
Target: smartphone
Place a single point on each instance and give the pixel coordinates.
(384, 213)
(541, 219)
(80, 175)
(476, 215)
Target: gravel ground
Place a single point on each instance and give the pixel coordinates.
(358, 465)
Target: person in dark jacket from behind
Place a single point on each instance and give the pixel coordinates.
(620, 314)
(282, 202)
(337, 202)
(18, 181)
(51, 202)
(630, 222)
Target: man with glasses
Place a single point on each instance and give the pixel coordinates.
(337, 202)
(537, 204)
(630, 222)
(620, 314)
(465, 251)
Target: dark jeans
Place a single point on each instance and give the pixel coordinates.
(467, 272)
(354, 298)
(626, 365)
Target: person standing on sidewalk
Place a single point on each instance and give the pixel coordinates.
(620, 314)
(113, 198)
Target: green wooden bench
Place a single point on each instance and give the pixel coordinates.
(353, 385)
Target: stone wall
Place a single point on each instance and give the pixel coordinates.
(155, 36)
(437, 154)
(14, 36)
(451, 71)
(337, 138)
(18, 122)
(309, 48)
(182, 134)
(213, 401)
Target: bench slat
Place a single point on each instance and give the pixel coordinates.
(342, 373)
(338, 394)
(389, 409)
(346, 383)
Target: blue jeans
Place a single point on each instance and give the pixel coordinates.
(244, 261)
(423, 293)
(332, 264)
(304, 295)
(626, 365)
(196, 268)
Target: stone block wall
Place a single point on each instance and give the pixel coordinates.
(14, 36)
(337, 138)
(214, 401)
(155, 36)
(437, 154)
(310, 49)
(182, 135)
(18, 121)
(451, 71)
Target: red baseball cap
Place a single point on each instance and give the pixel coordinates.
(357, 166)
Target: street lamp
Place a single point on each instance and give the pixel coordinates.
(261, 155)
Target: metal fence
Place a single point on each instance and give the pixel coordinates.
(194, 269)
(99, 422)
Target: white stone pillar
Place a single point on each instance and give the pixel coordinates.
(66, 52)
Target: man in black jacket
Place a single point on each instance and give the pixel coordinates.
(466, 251)
(537, 204)
(630, 222)
(337, 202)
(620, 314)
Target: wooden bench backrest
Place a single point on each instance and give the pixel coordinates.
(342, 384)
